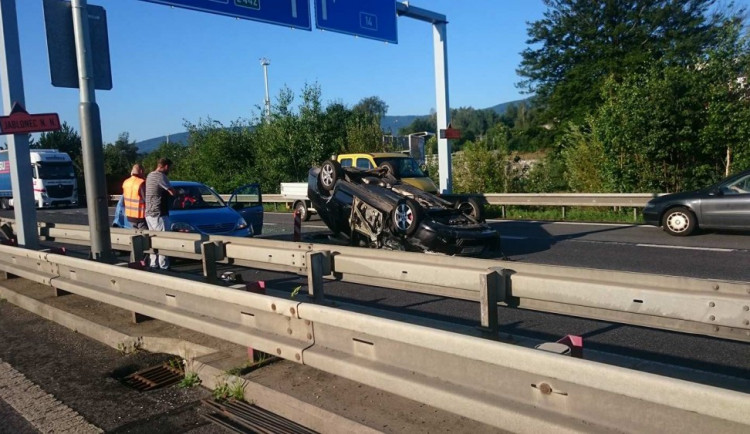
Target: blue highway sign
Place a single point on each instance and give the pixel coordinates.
(293, 13)
(374, 19)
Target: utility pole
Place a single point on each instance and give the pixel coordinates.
(265, 62)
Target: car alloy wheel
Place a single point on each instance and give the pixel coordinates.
(404, 216)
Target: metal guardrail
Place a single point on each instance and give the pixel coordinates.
(708, 307)
(625, 200)
(509, 387)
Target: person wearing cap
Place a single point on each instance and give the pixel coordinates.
(134, 198)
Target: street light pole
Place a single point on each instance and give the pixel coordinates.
(265, 62)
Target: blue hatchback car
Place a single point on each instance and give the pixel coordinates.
(197, 208)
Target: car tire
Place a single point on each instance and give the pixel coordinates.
(679, 221)
(472, 208)
(300, 207)
(389, 168)
(406, 216)
(330, 172)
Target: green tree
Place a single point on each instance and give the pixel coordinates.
(579, 44)
(119, 158)
(585, 159)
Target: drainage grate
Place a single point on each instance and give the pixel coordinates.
(241, 417)
(155, 377)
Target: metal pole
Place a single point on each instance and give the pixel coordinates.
(265, 62)
(18, 144)
(440, 46)
(91, 137)
(440, 38)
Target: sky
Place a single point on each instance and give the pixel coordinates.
(171, 65)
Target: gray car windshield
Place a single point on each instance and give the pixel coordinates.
(196, 197)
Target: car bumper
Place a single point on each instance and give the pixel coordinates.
(651, 216)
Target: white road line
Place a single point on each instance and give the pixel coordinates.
(511, 237)
(41, 409)
(709, 249)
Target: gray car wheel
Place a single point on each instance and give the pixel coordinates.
(679, 221)
(330, 172)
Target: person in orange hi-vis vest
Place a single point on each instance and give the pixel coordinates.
(134, 198)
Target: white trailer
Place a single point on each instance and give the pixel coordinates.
(296, 194)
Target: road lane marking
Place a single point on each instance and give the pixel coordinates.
(512, 237)
(41, 409)
(709, 249)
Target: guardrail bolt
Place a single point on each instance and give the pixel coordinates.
(746, 308)
(292, 310)
(289, 331)
(273, 307)
(712, 304)
(712, 318)
(307, 321)
(545, 388)
(278, 351)
(746, 322)
(716, 287)
(309, 336)
(297, 356)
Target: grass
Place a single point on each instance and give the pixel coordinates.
(576, 214)
(191, 379)
(234, 390)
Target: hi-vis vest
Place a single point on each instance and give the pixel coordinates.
(135, 205)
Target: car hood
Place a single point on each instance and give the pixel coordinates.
(695, 194)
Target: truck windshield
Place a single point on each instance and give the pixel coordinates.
(56, 170)
(406, 167)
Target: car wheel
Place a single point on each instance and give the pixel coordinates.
(406, 216)
(679, 221)
(330, 172)
(301, 208)
(472, 208)
(389, 169)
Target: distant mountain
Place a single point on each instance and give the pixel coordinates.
(394, 123)
(146, 146)
(388, 123)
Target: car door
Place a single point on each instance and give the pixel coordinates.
(248, 201)
(728, 206)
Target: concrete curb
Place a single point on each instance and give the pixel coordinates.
(205, 361)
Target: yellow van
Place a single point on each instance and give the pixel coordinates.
(401, 166)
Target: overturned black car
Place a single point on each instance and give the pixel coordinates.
(372, 208)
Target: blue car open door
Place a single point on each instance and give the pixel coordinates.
(248, 201)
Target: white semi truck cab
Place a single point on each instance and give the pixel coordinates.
(54, 179)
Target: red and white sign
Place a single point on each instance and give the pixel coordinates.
(20, 122)
(450, 133)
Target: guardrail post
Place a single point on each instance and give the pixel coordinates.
(493, 287)
(318, 265)
(139, 246)
(211, 252)
(563, 213)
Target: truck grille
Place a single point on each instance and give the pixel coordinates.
(59, 191)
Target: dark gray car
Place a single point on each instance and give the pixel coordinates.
(725, 205)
